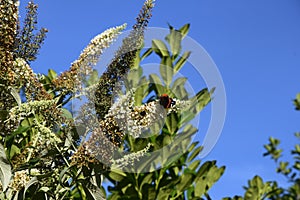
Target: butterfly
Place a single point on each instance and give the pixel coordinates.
(166, 101)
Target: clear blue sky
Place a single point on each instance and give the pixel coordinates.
(255, 44)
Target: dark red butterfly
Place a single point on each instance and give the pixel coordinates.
(166, 101)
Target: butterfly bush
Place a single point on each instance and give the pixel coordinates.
(122, 118)
(106, 133)
(72, 79)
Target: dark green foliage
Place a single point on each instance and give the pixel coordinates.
(258, 189)
(181, 175)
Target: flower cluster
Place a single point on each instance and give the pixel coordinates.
(110, 126)
(96, 149)
(180, 105)
(18, 113)
(8, 30)
(122, 62)
(132, 119)
(43, 140)
(20, 180)
(45, 137)
(123, 118)
(129, 159)
(28, 43)
(8, 24)
(70, 80)
(24, 76)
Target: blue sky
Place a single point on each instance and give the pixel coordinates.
(255, 44)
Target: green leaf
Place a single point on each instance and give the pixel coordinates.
(141, 91)
(146, 180)
(192, 146)
(204, 169)
(13, 151)
(156, 82)
(200, 187)
(195, 153)
(93, 192)
(167, 140)
(185, 181)
(44, 189)
(16, 95)
(172, 123)
(184, 30)
(160, 48)
(178, 83)
(214, 175)
(166, 70)
(9, 140)
(117, 175)
(174, 39)
(5, 169)
(181, 61)
(207, 175)
(178, 88)
(67, 114)
(147, 53)
(194, 165)
(133, 78)
(52, 74)
(164, 193)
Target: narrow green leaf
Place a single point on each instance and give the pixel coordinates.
(181, 61)
(192, 146)
(160, 48)
(52, 74)
(174, 39)
(194, 165)
(200, 187)
(172, 123)
(141, 91)
(117, 175)
(93, 192)
(146, 53)
(179, 82)
(16, 95)
(166, 70)
(146, 180)
(204, 169)
(5, 169)
(133, 78)
(13, 151)
(67, 114)
(185, 182)
(184, 30)
(156, 82)
(195, 153)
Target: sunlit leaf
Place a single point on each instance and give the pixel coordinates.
(5, 169)
(166, 70)
(184, 30)
(160, 48)
(52, 74)
(16, 95)
(181, 61)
